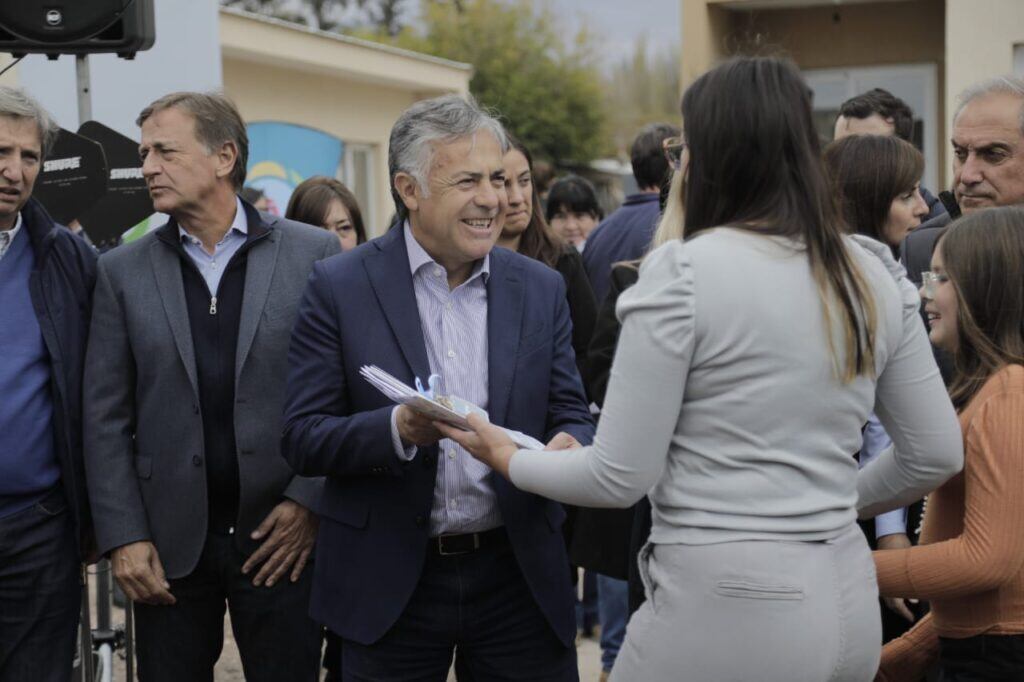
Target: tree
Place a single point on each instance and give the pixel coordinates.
(325, 15)
(333, 15)
(547, 90)
(642, 89)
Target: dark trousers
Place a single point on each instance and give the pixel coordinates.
(40, 592)
(478, 606)
(276, 638)
(984, 658)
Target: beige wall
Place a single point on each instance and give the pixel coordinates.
(866, 34)
(979, 46)
(353, 112)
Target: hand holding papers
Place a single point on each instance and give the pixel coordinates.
(426, 401)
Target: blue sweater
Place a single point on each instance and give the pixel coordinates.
(28, 462)
(624, 235)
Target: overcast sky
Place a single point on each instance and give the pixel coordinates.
(620, 22)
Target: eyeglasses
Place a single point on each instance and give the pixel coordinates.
(930, 281)
(673, 148)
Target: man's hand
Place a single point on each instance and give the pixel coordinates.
(415, 429)
(897, 605)
(140, 574)
(290, 531)
(563, 441)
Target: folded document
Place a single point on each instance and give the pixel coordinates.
(426, 401)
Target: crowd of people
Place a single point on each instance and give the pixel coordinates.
(780, 390)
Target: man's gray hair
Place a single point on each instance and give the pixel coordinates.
(1010, 85)
(16, 103)
(216, 121)
(429, 122)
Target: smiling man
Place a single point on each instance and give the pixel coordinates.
(423, 551)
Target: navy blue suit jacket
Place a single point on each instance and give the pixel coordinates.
(360, 308)
(624, 235)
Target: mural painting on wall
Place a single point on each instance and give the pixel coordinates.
(281, 155)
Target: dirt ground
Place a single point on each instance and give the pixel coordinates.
(229, 667)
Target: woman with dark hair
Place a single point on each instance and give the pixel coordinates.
(970, 563)
(527, 232)
(325, 202)
(750, 355)
(572, 209)
(878, 184)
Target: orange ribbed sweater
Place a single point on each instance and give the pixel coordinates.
(970, 563)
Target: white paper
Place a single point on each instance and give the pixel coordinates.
(403, 394)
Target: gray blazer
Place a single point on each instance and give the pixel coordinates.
(143, 431)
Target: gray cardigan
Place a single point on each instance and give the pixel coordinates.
(723, 401)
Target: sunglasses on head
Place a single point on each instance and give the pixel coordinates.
(673, 148)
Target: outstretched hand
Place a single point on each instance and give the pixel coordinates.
(492, 446)
(486, 442)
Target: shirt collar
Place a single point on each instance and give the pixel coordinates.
(11, 234)
(418, 257)
(240, 224)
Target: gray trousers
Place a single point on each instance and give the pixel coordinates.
(762, 611)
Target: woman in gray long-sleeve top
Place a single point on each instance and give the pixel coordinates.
(750, 355)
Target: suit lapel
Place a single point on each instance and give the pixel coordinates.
(259, 272)
(167, 271)
(505, 292)
(391, 280)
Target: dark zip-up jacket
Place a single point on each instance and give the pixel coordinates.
(61, 288)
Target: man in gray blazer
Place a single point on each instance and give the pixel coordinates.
(184, 386)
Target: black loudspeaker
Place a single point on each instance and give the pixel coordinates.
(56, 27)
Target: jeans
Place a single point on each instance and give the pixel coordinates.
(40, 592)
(477, 607)
(983, 658)
(613, 605)
(276, 637)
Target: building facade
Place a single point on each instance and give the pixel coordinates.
(924, 51)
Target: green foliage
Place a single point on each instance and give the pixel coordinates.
(547, 89)
(642, 89)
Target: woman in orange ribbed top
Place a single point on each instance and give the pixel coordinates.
(970, 564)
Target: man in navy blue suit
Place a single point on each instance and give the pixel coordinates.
(423, 551)
(626, 234)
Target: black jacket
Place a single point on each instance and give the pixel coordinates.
(61, 287)
(582, 306)
(600, 538)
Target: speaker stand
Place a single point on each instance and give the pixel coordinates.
(84, 88)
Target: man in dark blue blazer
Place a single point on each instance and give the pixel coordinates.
(626, 233)
(423, 551)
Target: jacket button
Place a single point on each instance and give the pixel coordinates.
(197, 460)
(195, 409)
(420, 521)
(428, 460)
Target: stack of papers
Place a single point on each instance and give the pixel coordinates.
(448, 409)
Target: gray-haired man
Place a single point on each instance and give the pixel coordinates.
(46, 280)
(988, 161)
(424, 551)
(184, 387)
